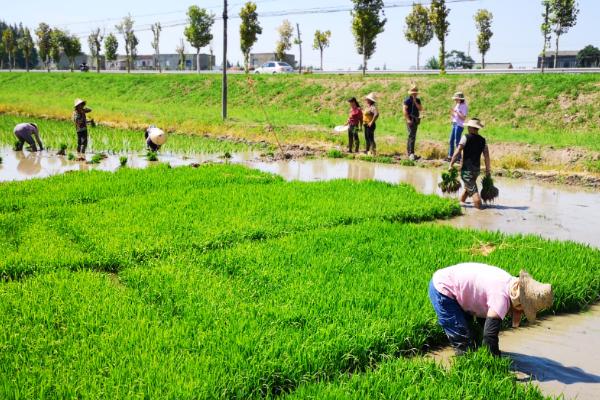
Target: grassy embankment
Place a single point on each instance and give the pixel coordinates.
(225, 282)
(54, 133)
(546, 110)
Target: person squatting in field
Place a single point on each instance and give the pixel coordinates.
(355, 121)
(471, 296)
(155, 138)
(80, 120)
(472, 146)
(412, 110)
(26, 132)
(458, 114)
(370, 117)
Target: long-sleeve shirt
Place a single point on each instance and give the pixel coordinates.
(79, 118)
(26, 131)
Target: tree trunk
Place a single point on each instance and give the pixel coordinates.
(9, 63)
(198, 60)
(321, 59)
(224, 91)
(98, 62)
(442, 57)
(299, 47)
(364, 64)
(418, 57)
(556, 52)
(27, 63)
(247, 62)
(482, 61)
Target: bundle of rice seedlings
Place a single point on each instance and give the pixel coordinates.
(62, 150)
(450, 182)
(123, 161)
(96, 158)
(489, 192)
(152, 156)
(71, 157)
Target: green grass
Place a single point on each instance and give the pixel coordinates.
(55, 134)
(558, 110)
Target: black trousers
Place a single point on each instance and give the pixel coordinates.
(370, 137)
(412, 136)
(82, 141)
(353, 141)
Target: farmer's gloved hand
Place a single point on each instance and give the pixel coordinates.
(491, 329)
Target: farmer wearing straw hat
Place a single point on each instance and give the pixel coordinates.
(472, 146)
(370, 117)
(26, 132)
(470, 294)
(80, 120)
(458, 114)
(154, 138)
(412, 113)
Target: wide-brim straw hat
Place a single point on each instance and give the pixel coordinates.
(158, 136)
(78, 102)
(458, 96)
(534, 296)
(413, 90)
(475, 123)
(371, 96)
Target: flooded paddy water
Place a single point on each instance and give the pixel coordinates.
(560, 354)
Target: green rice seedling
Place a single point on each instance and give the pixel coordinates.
(407, 163)
(96, 159)
(62, 150)
(489, 193)
(16, 146)
(123, 161)
(450, 182)
(334, 153)
(227, 155)
(152, 156)
(71, 157)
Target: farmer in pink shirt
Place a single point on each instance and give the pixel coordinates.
(458, 113)
(466, 291)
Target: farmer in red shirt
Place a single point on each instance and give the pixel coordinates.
(354, 125)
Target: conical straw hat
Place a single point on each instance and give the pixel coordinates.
(157, 136)
(372, 96)
(533, 295)
(78, 102)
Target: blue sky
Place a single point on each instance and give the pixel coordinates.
(517, 37)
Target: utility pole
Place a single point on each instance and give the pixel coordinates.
(299, 46)
(224, 96)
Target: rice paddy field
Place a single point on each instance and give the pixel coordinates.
(225, 282)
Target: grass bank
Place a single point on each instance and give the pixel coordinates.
(223, 282)
(546, 110)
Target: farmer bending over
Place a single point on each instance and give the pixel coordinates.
(466, 291)
(154, 138)
(26, 132)
(472, 146)
(80, 120)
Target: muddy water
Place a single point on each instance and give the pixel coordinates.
(555, 212)
(560, 354)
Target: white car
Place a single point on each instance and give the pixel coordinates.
(274, 67)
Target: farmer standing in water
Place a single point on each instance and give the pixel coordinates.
(80, 120)
(412, 110)
(472, 146)
(154, 138)
(26, 132)
(465, 293)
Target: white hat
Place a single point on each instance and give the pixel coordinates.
(533, 295)
(78, 102)
(458, 96)
(371, 96)
(414, 89)
(474, 123)
(157, 136)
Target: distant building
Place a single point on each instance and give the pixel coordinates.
(505, 65)
(167, 62)
(258, 59)
(566, 59)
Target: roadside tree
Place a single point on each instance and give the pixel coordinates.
(459, 60)
(198, 30)
(156, 29)
(10, 46)
(95, 45)
(180, 50)
(419, 30)
(368, 21)
(546, 29)
(43, 32)
(439, 19)
(26, 45)
(563, 16)
(72, 48)
(284, 43)
(125, 28)
(57, 39)
(321, 42)
(589, 57)
(483, 21)
(249, 30)
(111, 45)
